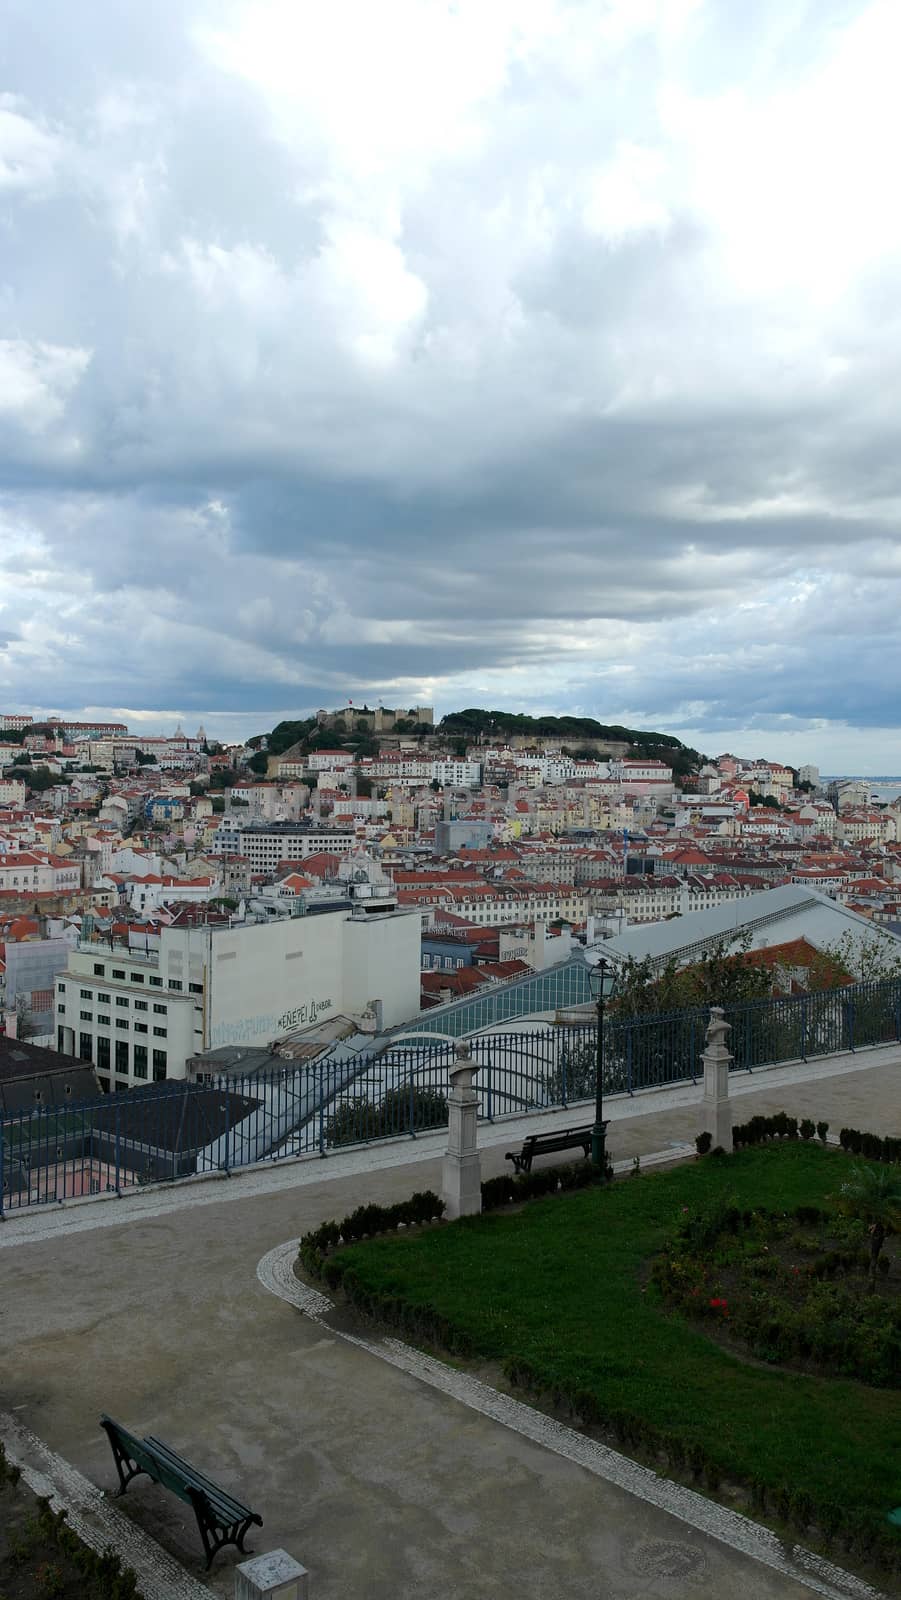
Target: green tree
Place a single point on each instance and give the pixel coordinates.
(145, 758)
(873, 1195)
(259, 763)
(402, 1110)
(38, 778)
(26, 1027)
(722, 977)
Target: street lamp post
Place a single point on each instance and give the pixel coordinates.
(603, 982)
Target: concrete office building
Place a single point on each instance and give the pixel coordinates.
(266, 846)
(139, 1016)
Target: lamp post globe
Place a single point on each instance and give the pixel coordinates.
(602, 979)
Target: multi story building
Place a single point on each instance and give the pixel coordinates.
(267, 845)
(139, 1015)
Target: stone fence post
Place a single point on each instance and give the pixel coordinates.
(275, 1576)
(717, 1059)
(462, 1174)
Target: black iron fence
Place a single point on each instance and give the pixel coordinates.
(173, 1130)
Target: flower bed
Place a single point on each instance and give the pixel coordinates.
(788, 1288)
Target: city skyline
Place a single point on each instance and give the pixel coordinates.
(541, 356)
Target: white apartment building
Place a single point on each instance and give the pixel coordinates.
(328, 761)
(457, 774)
(530, 903)
(266, 846)
(138, 1016)
(12, 792)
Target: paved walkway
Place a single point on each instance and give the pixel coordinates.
(382, 1484)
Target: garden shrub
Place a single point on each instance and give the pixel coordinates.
(812, 1311)
(506, 1189)
(870, 1145)
(401, 1110)
(47, 1535)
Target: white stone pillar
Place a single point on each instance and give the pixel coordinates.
(277, 1576)
(717, 1059)
(462, 1175)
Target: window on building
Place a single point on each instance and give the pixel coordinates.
(140, 1027)
(121, 1022)
(160, 1009)
(103, 1022)
(62, 1010)
(62, 988)
(84, 1046)
(159, 1066)
(159, 1033)
(103, 998)
(98, 969)
(86, 1016)
(104, 1083)
(118, 972)
(121, 999)
(122, 1055)
(156, 983)
(137, 977)
(60, 1032)
(103, 1054)
(140, 1005)
(175, 983)
(86, 994)
(196, 988)
(139, 1067)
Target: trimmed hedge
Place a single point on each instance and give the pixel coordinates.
(365, 1222)
(779, 1126)
(870, 1145)
(425, 1206)
(787, 1503)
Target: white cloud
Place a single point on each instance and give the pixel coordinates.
(544, 350)
(36, 380)
(29, 154)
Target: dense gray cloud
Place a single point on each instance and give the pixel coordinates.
(542, 353)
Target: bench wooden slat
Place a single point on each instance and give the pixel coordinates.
(536, 1144)
(197, 1479)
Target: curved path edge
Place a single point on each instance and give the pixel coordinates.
(276, 1273)
(92, 1515)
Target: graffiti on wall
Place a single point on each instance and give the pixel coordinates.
(267, 1025)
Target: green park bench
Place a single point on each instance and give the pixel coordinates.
(221, 1519)
(542, 1144)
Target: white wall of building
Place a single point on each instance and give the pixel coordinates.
(245, 984)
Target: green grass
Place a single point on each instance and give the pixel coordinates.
(561, 1286)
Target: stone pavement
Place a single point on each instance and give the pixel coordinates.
(150, 1308)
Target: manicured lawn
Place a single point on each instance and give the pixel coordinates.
(560, 1288)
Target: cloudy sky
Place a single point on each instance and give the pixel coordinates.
(533, 353)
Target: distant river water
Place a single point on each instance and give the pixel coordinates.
(882, 789)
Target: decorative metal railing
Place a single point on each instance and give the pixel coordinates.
(173, 1129)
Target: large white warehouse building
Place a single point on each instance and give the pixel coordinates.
(139, 1016)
